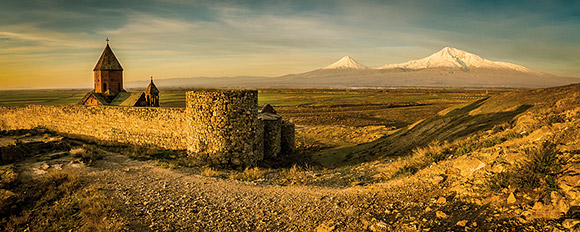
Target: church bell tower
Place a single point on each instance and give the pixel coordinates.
(108, 74)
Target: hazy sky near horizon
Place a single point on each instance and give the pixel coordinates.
(56, 43)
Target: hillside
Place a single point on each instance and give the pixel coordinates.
(519, 150)
(508, 161)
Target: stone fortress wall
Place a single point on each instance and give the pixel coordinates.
(218, 127)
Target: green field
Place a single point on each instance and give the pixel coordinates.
(40, 97)
(176, 98)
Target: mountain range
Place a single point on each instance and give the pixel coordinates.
(449, 67)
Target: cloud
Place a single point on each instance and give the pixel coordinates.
(258, 37)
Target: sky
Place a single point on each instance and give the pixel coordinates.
(56, 43)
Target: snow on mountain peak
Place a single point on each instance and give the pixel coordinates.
(449, 57)
(346, 62)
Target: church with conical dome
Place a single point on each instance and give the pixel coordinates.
(108, 86)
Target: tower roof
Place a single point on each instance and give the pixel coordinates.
(151, 88)
(108, 61)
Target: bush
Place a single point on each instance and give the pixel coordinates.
(249, 174)
(210, 172)
(432, 153)
(87, 154)
(538, 172)
(295, 175)
(7, 175)
(405, 171)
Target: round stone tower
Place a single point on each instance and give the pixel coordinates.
(223, 127)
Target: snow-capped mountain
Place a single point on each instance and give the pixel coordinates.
(449, 67)
(450, 57)
(346, 63)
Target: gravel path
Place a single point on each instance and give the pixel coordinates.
(159, 199)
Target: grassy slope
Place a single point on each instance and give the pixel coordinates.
(478, 116)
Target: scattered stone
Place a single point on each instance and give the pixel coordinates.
(437, 179)
(468, 165)
(511, 199)
(325, 228)
(441, 200)
(570, 223)
(39, 171)
(44, 166)
(440, 214)
(559, 202)
(379, 226)
(474, 224)
(462, 223)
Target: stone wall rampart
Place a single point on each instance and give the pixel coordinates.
(217, 127)
(143, 126)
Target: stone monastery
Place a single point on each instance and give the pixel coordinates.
(108, 86)
(218, 127)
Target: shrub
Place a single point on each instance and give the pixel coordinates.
(463, 150)
(432, 153)
(294, 175)
(539, 171)
(210, 172)
(87, 154)
(406, 170)
(249, 174)
(7, 175)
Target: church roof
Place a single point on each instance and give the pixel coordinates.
(151, 88)
(108, 61)
(127, 99)
(97, 96)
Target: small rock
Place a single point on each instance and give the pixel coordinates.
(474, 224)
(570, 223)
(559, 202)
(511, 199)
(39, 171)
(44, 166)
(441, 200)
(538, 206)
(437, 180)
(379, 226)
(462, 223)
(324, 228)
(440, 214)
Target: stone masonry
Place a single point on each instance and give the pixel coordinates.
(218, 127)
(223, 127)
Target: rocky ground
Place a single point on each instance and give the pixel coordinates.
(154, 198)
(508, 163)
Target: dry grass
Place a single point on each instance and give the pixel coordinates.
(537, 173)
(60, 201)
(249, 174)
(423, 157)
(7, 175)
(211, 172)
(87, 154)
(296, 175)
